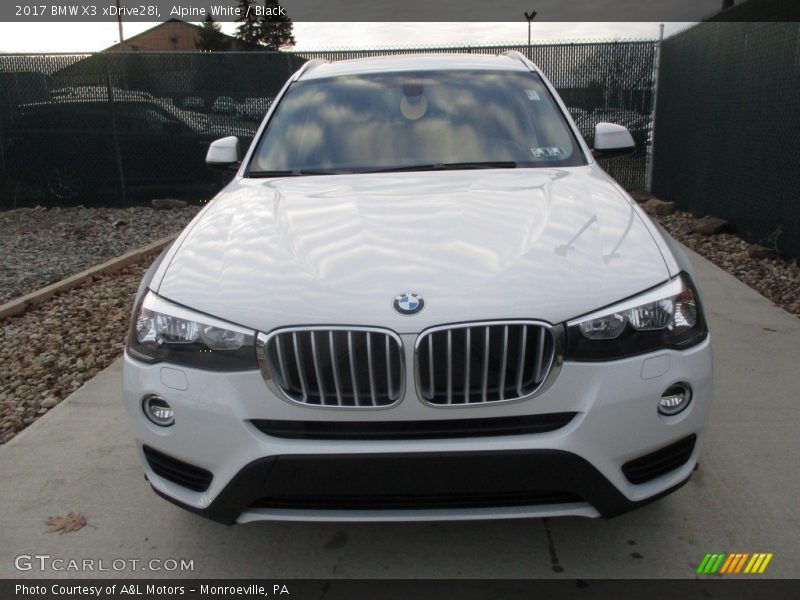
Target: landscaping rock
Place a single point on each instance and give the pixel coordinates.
(168, 203)
(640, 195)
(709, 225)
(49, 402)
(776, 278)
(759, 251)
(654, 206)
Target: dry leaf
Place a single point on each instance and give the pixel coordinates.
(72, 522)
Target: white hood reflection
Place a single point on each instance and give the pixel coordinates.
(475, 244)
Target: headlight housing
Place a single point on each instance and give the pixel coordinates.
(162, 331)
(669, 316)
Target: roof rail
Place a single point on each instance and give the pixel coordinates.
(516, 54)
(308, 66)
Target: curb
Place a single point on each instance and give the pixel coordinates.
(20, 305)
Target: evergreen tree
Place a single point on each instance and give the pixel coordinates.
(249, 30)
(211, 38)
(275, 30)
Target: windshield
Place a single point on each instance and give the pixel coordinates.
(415, 120)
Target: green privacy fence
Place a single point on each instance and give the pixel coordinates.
(123, 127)
(728, 125)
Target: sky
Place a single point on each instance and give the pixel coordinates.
(90, 37)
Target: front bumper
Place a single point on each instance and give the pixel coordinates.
(576, 469)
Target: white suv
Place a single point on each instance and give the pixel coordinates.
(419, 298)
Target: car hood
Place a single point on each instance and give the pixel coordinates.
(547, 244)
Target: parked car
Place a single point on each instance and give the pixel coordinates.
(193, 103)
(419, 298)
(253, 109)
(576, 111)
(224, 105)
(69, 145)
(98, 91)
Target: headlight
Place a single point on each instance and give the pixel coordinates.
(162, 331)
(667, 317)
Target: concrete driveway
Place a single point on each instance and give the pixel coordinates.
(744, 497)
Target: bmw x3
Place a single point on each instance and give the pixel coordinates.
(419, 297)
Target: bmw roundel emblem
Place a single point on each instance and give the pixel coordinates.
(408, 303)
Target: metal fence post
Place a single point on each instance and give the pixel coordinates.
(3, 124)
(656, 67)
(115, 137)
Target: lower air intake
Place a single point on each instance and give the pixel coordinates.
(658, 463)
(177, 471)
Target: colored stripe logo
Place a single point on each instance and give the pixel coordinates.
(734, 563)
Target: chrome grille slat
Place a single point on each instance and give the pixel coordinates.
(281, 359)
(521, 365)
(485, 379)
(388, 366)
(449, 366)
(539, 355)
(351, 357)
(513, 359)
(501, 380)
(334, 366)
(369, 367)
(467, 357)
(300, 373)
(315, 361)
(430, 358)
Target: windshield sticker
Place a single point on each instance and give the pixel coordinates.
(548, 152)
(532, 95)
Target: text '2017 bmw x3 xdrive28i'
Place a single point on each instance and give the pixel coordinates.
(419, 298)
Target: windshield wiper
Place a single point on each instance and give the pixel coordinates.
(453, 166)
(294, 172)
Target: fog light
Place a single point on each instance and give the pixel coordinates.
(158, 411)
(674, 399)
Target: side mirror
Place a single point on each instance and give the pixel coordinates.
(611, 139)
(223, 154)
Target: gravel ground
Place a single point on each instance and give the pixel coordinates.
(51, 350)
(41, 246)
(775, 278)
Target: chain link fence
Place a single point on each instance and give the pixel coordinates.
(121, 128)
(727, 128)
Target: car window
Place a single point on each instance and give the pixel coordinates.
(394, 120)
(83, 118)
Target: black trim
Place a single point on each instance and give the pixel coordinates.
(416, 501)
(177, 471)
(414, 430)
(453, 479)
(613, 152)
(658, 463)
